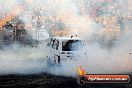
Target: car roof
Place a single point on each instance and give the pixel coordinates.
(67, 38)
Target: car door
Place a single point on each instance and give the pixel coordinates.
(56, 51)
(51, 54)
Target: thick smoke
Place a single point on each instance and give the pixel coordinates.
(16, 59)
(22, 60)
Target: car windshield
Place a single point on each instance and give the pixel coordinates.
(72, 45)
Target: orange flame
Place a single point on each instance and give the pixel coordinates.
(81, 71)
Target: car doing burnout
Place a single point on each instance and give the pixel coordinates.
(63, 48)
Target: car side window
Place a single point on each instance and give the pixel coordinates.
(57, 44)
(53, 45)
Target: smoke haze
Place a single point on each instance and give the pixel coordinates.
(16, 59)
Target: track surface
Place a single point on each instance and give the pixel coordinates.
(44, 80)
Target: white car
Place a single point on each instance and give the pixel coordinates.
(63, 48)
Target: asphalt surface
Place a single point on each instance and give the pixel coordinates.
(44, 80)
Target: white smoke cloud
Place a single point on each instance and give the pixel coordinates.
(25, 60)
(22, 60)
